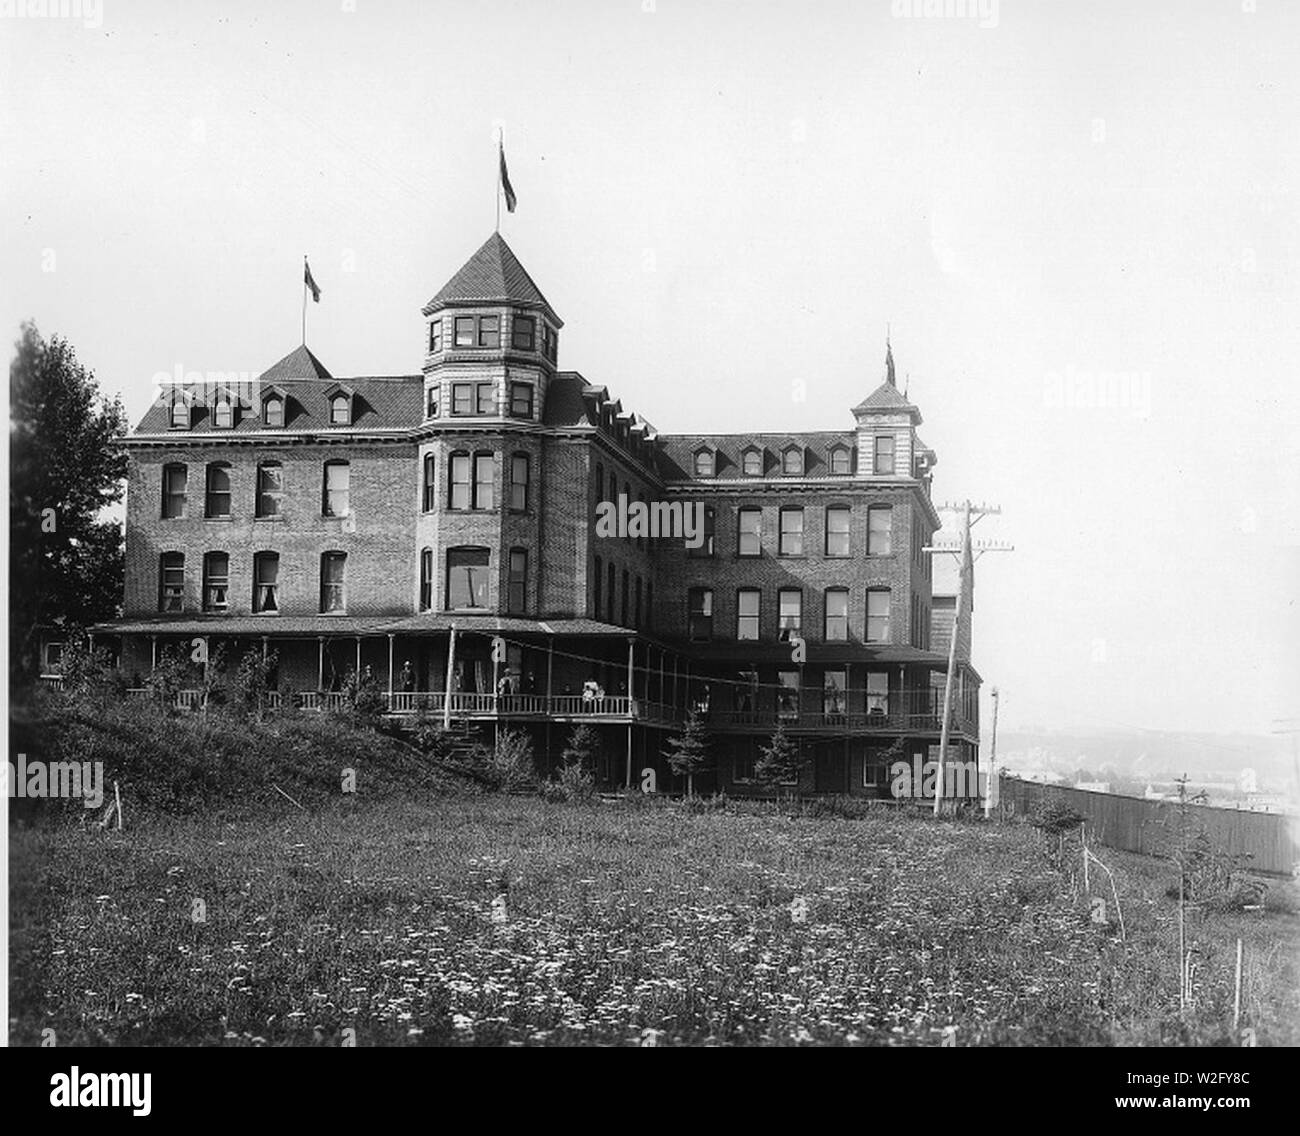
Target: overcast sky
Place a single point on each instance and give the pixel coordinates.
(1079, 221)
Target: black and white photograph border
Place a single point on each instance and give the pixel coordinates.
(496, 499)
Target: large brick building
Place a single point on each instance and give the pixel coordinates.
(350, 524)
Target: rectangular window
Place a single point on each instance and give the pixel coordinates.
(835, 692)
(431, 402)
(626, 598)
(609, 593)
(884, 453)
(459, 490)
(791, 543)
(333, 595)
(749, 526)
(707, 543)
(464, 331)
(435, 335)
(747, 610)
(266, 582)
(787, 694)
(877, 616)
(519, 483)
(525, 333)
(877, 693)
(430, 482)
(173, 500)
(837, 530)
(636, 611)
(518, 592)
(467, 578)
(338, 478)
(426, 579)
(462, 398)
(837, 615)
(746, 692)
(879, 530)
(485, 399)
(701, 614)
(484, 480)
(489, 331)
(216, 581)
(171, 582)
(521, 400)
(595, 588)
(790, 602)
(270, 489)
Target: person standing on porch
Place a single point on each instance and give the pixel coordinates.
(408, 677)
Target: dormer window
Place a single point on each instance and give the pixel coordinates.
(751, 463)
(792, 461)
(180, 414)
(223, 413)
(704, 463)
(273, 411)
(840, 460)
(341, 409)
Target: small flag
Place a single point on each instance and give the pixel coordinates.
(307, 279)
(506, 187)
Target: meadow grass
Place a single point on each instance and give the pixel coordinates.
(621, 923)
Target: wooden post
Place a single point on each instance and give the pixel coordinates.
(550, 673)
(117, 796)
(358, 676)
(320, 665)
(952, 662)
(451, 666)
(390, 670)
(993, 759)
(153, 652)
(1236, 998)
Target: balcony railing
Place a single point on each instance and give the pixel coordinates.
(889, 721)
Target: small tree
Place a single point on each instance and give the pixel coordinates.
(252, 681)
(688, 753)
(780, 762)
(583, 749)
(170, 676)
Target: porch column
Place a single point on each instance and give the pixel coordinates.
(358, 658)
(451, 666)
(631, 674)
(661, 675)
(390, 670)
(264, 650)
(153, 652)
(550, 672)
(320, 666)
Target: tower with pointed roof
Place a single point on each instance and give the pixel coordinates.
(888, 445)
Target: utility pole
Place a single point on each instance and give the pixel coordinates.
(993, 757)
(966, 554)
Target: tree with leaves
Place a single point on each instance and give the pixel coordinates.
(688, 753)
(780, 762)
(65, 468)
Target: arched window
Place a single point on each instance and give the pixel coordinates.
(752, 463)
(704, 463)
(337, 491)
(840, 460)
(174, 479)
(333, 582)
(609, 593)
(426, 579)
(340, 410)
(223, 413)
(430, 482)
(180, 414)
(171, 582)
(216, 581)
(792, 461)
(217, 497)
(273, 411)
(270, 489)
(596, 580)
(266, 582)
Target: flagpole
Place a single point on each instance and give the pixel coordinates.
(304, 300)
(501, 142)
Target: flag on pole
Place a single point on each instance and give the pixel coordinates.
(506, 187)
(307, 279)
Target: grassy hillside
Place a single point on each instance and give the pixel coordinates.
(620, 923)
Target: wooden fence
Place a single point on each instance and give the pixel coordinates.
(1269, 842)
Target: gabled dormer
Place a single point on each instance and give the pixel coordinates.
(339, 402)
(275, 407)
(753, 461)
(225, 409)
(180, 403)
(886, 426)
(793, 460)
(705, 461)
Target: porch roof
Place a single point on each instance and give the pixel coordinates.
(349, 626)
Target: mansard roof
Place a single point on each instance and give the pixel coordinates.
(493, 275)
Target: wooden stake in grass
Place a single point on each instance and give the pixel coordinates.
(288, 798)
(117, 797)
(1236, 998)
